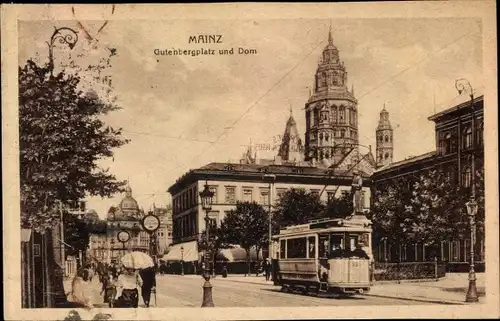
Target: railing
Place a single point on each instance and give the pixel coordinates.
(382, 271)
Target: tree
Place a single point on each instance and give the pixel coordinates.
(296, 206)
(77, 233)
(390, 213)
(339, 207)
(246, 225)
(61, 140)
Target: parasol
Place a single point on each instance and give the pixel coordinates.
(137, 260)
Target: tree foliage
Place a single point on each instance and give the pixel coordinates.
(61, 139)
(247, 226)
(427, 209)
(77, 232)
(297, 206)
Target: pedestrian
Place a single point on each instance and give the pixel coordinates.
(267, 268)
(148, 276)
(79, 296)
(127, 286)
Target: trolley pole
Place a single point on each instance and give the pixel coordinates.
(270, 178)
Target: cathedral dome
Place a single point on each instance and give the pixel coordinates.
(128, 202)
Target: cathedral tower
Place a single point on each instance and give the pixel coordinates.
(331, 111)
(384, 139)
(291, 149)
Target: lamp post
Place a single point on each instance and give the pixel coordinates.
(182, 260)
(270, 178)
(463, 85)
(206, 203)
(62, 35)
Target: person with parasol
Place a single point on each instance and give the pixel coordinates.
(129, 282)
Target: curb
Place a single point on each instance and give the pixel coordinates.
(249, 282)
(438, 301)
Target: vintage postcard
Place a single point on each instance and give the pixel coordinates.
(250, 161)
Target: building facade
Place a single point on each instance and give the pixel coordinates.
(125, 217)
(231, 183)
(164, 232)
(458, 140)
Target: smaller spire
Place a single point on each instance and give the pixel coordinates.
(352, 89)
(291, 114)
(330, 39)
(383, 109)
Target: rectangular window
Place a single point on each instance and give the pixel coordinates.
(247, 195)
(296, 248)
(283, 249)
(213, 189)
(280, 192)
(311, 246)
(467, 138)
(315, 192)
(230, 195)
(264, 196)
(330, 195)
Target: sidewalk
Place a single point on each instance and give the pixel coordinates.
(448, 290)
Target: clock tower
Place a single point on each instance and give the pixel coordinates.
(331, 111)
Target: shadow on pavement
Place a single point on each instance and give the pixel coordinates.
(315, 295)
(480, 290)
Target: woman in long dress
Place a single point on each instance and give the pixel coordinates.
(79, 296)
(127, 287)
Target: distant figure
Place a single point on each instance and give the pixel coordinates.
(359, 252)
(267, 268)
(337, 251)
(79, 295)
(148, 283)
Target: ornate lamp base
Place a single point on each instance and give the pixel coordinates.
(472, 292)
(207, 295)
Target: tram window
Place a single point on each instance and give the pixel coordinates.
(296, 248)
(282, 249)
(323, 244)
(312, 247)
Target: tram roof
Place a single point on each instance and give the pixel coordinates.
(347, 224)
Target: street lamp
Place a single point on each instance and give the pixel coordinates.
(472, 291)
(182, 260)
(463, 85)
(270, 178)
(63, 35)
(206, 203)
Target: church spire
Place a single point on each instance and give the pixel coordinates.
(330, 38)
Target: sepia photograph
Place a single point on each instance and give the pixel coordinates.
(314, 161)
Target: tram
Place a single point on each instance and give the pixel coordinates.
(328, 255)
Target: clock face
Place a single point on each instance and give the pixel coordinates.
(151, 223)
(123, 236)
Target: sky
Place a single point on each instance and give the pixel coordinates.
(182, 112)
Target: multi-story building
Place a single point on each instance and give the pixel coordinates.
(164, 232)
(125, 217)
(455, 148)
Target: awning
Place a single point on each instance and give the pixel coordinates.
(189, 253)
(237, 255)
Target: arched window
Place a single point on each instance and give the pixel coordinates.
(467, 138)
(386, 138)
(386, 156)
(446, 143)
(479, 134)
(326, 137)
(380, 156)
(334, 114)
(342, 133)
(380, 139)
(316, 116)
(342, 114)
(323, 79)
(466, 177)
